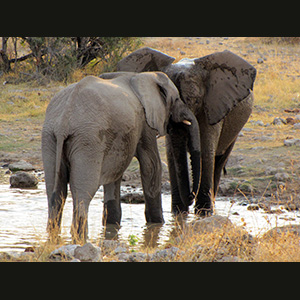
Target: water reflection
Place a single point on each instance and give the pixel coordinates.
(23, 219)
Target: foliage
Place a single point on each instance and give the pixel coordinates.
(132, 239)
(58, 57)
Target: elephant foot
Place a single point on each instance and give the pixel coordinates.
(112, 213)
(204, 212)
(179, 208)
(204, 205)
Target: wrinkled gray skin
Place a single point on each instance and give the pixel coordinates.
(218, 90)
(91, 132)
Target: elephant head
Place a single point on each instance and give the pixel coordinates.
(217, 82)
(166, 113)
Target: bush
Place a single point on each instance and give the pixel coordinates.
(57, 57)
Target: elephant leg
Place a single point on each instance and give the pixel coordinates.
(150, 168)
(56, 200)
(112, 205)
(220, 162)
(205, 199)
(84, 182)
(209, 141)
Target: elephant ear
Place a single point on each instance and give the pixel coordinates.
(144, 60)
(229, 79)
(154, 90)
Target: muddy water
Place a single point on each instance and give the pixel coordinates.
(23, 218)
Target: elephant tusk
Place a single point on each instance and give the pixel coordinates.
(186, 122)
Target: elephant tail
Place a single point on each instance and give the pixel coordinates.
(58, 161)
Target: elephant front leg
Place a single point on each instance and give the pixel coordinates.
(205, 199)
(112, 205)
(150, 168)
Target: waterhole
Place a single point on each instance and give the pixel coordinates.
(23, 218)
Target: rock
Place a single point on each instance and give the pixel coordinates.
(138, 257)
(296, 126)
(291, 142)
(295, 229)
(123, 257)
(259, 123)
(282, 176)
(253, 207)
(133, 198)
(66, 252)
(165, 254)
(107, 246)
(21, 165)
(88, 253)
(260, 61)
(279, 121)
(120, 249)
(210, 224)
(16, 256)
(23, 180)
(290, 206)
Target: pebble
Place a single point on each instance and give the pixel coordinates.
(291, 142)
(279, 121)
(259, 123)
(282, 176)
(253, 207)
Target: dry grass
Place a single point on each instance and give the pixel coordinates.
(234, 245)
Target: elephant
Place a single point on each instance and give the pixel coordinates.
(218, 89)
(93, 129)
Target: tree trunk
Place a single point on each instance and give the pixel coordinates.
(3, 55)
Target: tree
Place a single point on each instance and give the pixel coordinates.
(57, 57)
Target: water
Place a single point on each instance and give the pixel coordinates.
(23, 219)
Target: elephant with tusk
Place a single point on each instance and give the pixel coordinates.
(218, 90)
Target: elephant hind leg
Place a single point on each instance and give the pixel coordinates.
(220, 162)
(56, 198)
(84, 183)
(112, 205)
(57, 201)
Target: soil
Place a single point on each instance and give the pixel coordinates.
(260, 165)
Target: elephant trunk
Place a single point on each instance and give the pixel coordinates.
(185, 136)
(195, 157)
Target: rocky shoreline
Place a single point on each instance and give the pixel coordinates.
(233, 240)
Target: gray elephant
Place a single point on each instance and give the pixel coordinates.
(94, 128)
(218, 90)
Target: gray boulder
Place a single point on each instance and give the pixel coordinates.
(63, 253)
(88, 253)
(23, 180)
(21, 165)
